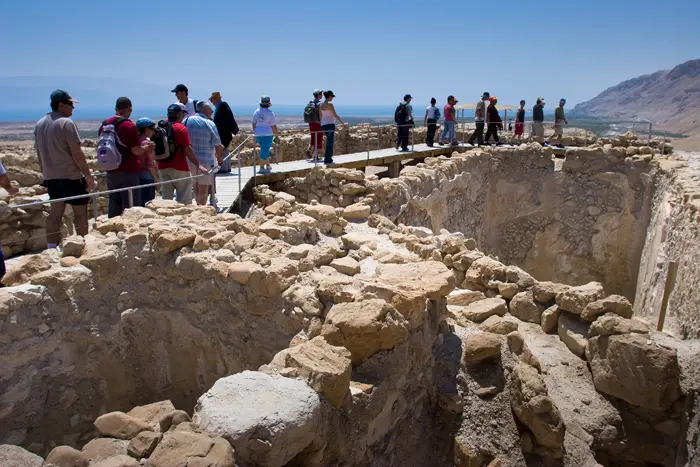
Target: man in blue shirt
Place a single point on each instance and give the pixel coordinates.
(207, 146)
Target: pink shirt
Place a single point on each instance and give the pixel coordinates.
(149, 159)
(449, 111)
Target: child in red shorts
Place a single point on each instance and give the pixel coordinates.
(520, 121)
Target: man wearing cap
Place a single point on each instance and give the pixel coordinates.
(559, 122)
(63, 166)
(403, 126)
(207, 149)
(176, 167)
(315, 129)
(182, 94)
(133, 159)
(226, 126)
(538, 118)
(480, 119)
(449, 134)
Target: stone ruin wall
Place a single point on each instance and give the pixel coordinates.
(387, 364)
(581, 219)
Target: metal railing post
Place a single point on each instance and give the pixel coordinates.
(650, 132)
(131, 198)
(255, 161)
(93, 198)
(369, 134)
(413, 138)
(240, 195)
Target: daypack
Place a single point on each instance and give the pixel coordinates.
(437, 114)
(108, 155)
(400, 114)
(312, 113)
(164, 140)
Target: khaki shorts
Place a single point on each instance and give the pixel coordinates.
(558, 130)
(204, 179)
(538, 129)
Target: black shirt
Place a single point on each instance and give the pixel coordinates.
(538, 113)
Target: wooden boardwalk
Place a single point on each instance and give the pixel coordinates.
(227, 185)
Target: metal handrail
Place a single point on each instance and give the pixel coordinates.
(119, 190)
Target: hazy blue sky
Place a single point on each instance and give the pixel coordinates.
(365, 51)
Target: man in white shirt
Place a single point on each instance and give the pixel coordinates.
(181, 92)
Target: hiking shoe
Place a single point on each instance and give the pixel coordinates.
(330, 162)
(454, 143)
(308, 155)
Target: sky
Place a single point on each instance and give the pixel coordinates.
(366, 51)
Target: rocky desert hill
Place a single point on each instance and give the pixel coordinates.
(670, 98)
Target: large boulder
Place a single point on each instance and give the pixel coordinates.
(15, 456)
(30, 265)
(324, 367)
(532, 405)
(152, 413)
(364, 328)
(485, 271)
(616, 304)
(499, 325)
(100, 449)
(188, 445)
(573, 331)
(267, 419)
(464, 297)
(546, 292)
(143, 444)
(635, 369)
(550, 318)
(575, 299)
(119, 461)
(524, 307)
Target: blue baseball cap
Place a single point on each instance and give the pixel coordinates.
(144, 122)
(562, 100)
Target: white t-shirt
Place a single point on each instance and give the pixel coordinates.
(189, 106)
(432, 112)
(264, 120)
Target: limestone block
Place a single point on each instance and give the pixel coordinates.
(28, 266)
(612, 304)
(172, 419)
(15, 456)
(498, 325)
(613, 324)
(143, 444)
(152, 413)
(117, 461)
(635, 369)
(354, 240)
(346, 265)
(364, 327)
(66, 456)
(267, 419)
(169, 241)
(73, 246)
(518, 276)
(517, 346)
(546, 292)
(534, 408)
(100, 449)
(524, 307)
(464, 297)
(575, 299)
(550, 319)
(478, 347)
(573, 331)
(120, 425)
(242, 271)
(483, 309)
(508, 290)
(324, 367)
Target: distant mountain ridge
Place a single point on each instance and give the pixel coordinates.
(670, 98)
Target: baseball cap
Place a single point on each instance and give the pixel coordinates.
(60, 95)
(317, 92)
(144, 122)
(562, 100)
(265, 100)
(180, 87)
(407, 96)
(485, 95)
(176, 108)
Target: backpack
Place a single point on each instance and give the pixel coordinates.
(437, 113)
(164, 140)
(109, 157)
(312, 113)
(400, 114)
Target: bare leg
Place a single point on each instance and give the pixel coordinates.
(80, 219)
(53, 223)
(200, 194)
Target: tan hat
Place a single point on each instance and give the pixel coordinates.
(215, 95)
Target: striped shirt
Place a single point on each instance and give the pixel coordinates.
(204, 138)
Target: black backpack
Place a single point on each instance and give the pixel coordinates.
(312, 113)
(400, 114)
(164, 140)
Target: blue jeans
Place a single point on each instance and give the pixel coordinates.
(448, 131)
(148, 193)
(329, 130)
(265, 143)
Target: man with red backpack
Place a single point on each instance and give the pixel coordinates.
(122, 172)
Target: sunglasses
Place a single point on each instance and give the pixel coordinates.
(68, 103)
